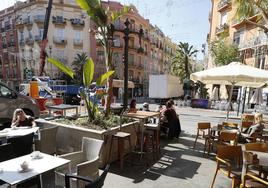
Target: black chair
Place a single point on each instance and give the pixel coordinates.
(22, 145)
(98, 183)
(6, 151)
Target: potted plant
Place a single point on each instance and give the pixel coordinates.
(201, 94)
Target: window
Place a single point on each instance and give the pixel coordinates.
(131, 59)
(30, 34)
(131, 42)
(78, 35)
(60, 34)
(40, 32)
(21, 36)
(117, 41)
(4, 91)
(223, 18)
(100, 57)
(239, 37)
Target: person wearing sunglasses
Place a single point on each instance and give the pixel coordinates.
(20, 119)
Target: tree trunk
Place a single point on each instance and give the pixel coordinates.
(109, 96)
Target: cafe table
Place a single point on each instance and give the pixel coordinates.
(11, 172)
(17, 131)
(142, 116)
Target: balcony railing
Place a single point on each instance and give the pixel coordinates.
(4, 45)
(59, 40)
(8, 27)
(11, 44)
(254, 42)
(223, 4)
(222, 28)
(22, 43)
(28, 21)
(29, 41)
(37, 38)
(77, 22)
(39, 18)
(59, 20)
(78, 42)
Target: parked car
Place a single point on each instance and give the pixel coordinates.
(10, 100)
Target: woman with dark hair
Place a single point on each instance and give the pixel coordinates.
(172, 121)
(20, 119)
(132, 106)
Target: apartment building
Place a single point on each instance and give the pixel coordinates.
(148, 54)
(252, 41)
(9, 61)
(68, 34)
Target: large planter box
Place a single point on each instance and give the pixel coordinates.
(200, 103)
(69, 138)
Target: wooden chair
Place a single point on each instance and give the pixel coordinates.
(98, 183)
(225, 138)
(245, 125)
(229, 162)
(204, 129)
(257, 146)
(251, 180)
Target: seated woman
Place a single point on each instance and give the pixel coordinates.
(20, 119)
(132, 106)
(171, 121)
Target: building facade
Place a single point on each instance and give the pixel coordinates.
(9, 61)
(148, 54)
(252, 41)
(22, 31)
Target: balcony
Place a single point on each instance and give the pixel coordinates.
(39, 18)
(28, 21)
(21, 43)
(238, 23)
(29, 41)
(58, 20)
(2, 30)
(8, 27)
(140, 50)
(11, 44)
(254, 42)
(220, 29)
(223, 4)
(19, 23)
(78, 42)
(77, 22)
(4, 45)
(59, 40)
(38, 38)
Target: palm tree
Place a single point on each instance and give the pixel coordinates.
(248, 8)
(78, 64)
(104, 17)
(181, 63)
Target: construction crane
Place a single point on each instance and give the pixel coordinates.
(44, 41)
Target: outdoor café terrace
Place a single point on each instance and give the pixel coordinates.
(180, 162)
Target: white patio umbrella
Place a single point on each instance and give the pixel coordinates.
(215, 94)
(257, 97)
(235, 74)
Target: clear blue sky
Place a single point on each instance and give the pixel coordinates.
(181, 20)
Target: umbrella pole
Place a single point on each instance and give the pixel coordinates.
(244, 100)
(229, 104)
(239, 101)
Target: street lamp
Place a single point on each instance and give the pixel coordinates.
(126, 32)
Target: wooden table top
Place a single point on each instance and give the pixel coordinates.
(141, 114)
